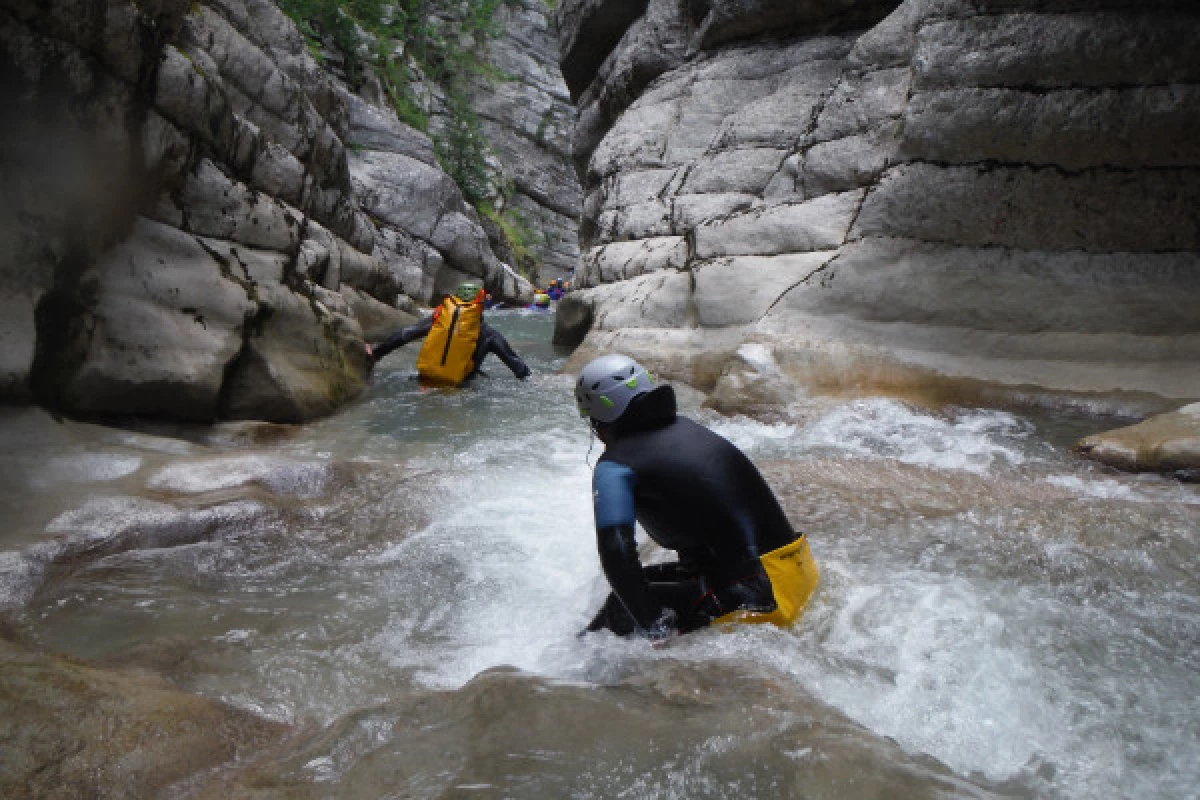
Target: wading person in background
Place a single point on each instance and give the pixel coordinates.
(695, 493)
(457, 340)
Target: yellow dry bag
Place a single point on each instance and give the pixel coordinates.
(447, 357)
(794, 577)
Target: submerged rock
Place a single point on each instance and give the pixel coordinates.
(671, 729)
(1164, 443)
(72, 730)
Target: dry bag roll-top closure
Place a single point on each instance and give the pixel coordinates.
(448, 355)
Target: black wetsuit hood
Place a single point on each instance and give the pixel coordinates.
(645, 413)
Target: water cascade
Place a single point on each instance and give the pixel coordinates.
(402, 584)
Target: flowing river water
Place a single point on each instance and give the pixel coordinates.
(403, 584)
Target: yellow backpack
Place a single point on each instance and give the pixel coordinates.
(447, 357)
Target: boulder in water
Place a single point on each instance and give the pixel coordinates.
(1164, 443)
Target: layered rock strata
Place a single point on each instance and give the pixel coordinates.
(990, 198)
(184, 233)
(427, 235)
(526, 118)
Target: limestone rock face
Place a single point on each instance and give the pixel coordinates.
(526, 118)
(130, 345)
(1164, 443)
(185, 232)
(950, 197)
(428, 237)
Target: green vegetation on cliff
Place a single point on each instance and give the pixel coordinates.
(437, 38)
(416, 48)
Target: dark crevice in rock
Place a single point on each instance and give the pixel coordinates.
(246, 359)
(802, 143)
(291, 278)
(65, 326)
(991, 165)
(1011, 7)
(823, 268)
(252, 326)
(1045, 90)
(763, 20)
(594, 40)
(692, 313)
(226, 267)
(862, 201)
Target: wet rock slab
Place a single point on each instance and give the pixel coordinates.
(71, 730)
(670, 730)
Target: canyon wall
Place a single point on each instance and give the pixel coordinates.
(200, 222)
(527, 120)
(954, 199)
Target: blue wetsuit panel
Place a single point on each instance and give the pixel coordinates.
(612, 494)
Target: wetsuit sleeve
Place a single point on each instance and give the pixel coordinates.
(612, 495)
(612, 492)
(494, 342)
(418, 330)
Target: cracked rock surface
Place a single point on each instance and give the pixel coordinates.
(199, 222)
(951, 199)
(525, 114)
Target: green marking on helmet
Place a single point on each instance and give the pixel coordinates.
(607, 403)
(632, 382)
(467, 290)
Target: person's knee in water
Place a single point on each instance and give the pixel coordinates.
(693, 492)
(457, 340)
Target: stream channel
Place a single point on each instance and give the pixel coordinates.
(403, 584)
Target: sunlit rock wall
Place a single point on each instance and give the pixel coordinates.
(182, 233)
(944, 198)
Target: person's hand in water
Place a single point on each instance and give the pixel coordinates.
(370, 358)
(663, 628)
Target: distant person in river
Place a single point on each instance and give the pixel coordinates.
(541, 301)
(694, 492)
(457, 340)
(555, 290)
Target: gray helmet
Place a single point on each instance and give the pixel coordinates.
(607, 384)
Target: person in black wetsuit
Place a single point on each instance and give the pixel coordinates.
(490, 340)
(693, 492)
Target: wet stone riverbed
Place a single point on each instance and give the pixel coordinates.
(398, 590)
